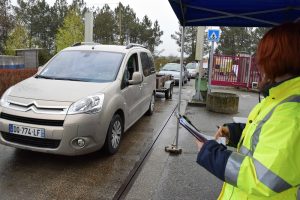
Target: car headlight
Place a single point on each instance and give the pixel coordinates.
(176, 75)
(90, 104)
(3, 100)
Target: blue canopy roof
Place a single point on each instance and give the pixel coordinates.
(244, 13)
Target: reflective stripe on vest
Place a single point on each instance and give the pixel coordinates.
(233, 167)
(243, 150)
(263, 174)
(255, 136)
(270, 179)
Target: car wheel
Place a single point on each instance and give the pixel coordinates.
(185, 80)
(169, 92)
(151, 105)
(114, 134)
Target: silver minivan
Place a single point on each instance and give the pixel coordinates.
(83, 99)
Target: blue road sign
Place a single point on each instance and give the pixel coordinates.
(213, 35)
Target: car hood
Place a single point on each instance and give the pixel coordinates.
(55, 90)
(173, 73)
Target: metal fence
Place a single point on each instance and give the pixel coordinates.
(237, 71)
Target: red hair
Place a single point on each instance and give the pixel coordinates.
(278, 52)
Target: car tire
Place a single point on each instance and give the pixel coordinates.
(186, 80)
(169, 92)
(151, 105)
(114, 135)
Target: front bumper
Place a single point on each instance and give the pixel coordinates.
(59, 138)
(193, 74)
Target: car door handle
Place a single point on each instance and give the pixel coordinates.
(145, 83)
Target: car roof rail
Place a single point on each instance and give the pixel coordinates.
(130, 45)
(84, 43)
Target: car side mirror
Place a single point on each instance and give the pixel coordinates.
(137, 78)
(40, 68)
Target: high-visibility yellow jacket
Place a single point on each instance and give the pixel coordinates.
(267, 162)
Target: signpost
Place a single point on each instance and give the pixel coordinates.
(213, 35)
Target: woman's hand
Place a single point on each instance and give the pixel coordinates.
(199, 145)
(223, 131)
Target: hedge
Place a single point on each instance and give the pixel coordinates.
(9, 77)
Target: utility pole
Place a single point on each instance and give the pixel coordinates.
(120, 19)
(88, 26)
(199, 57)
(211, 58)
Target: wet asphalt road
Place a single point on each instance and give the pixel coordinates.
(30, 175)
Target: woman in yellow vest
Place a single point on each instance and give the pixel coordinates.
(266, 164)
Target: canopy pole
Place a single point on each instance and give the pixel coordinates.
(180, 80)
(174, 147)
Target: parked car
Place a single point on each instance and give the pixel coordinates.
(174, 70)
(193, 69)
(83, 99)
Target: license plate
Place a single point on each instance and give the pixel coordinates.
(27, 131)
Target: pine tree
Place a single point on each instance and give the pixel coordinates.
(105, 26)
(235, 40)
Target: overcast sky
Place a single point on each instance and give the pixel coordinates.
(159, 10)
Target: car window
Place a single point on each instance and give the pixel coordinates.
(151, 62)
(91, 66)
(131, 67)
(147, 64)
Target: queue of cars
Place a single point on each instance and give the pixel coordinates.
(191, 70)
(174, 70)
(83, 99)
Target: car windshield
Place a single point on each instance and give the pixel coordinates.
(191, 66)
(89, 66)
(171, 67)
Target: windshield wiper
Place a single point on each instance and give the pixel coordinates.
(57, 78)
(69, 79)
(45, 77)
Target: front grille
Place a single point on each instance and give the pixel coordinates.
(30, 141)
(46, 122)
(36, 107)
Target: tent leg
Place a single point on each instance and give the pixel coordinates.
(174, 147)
